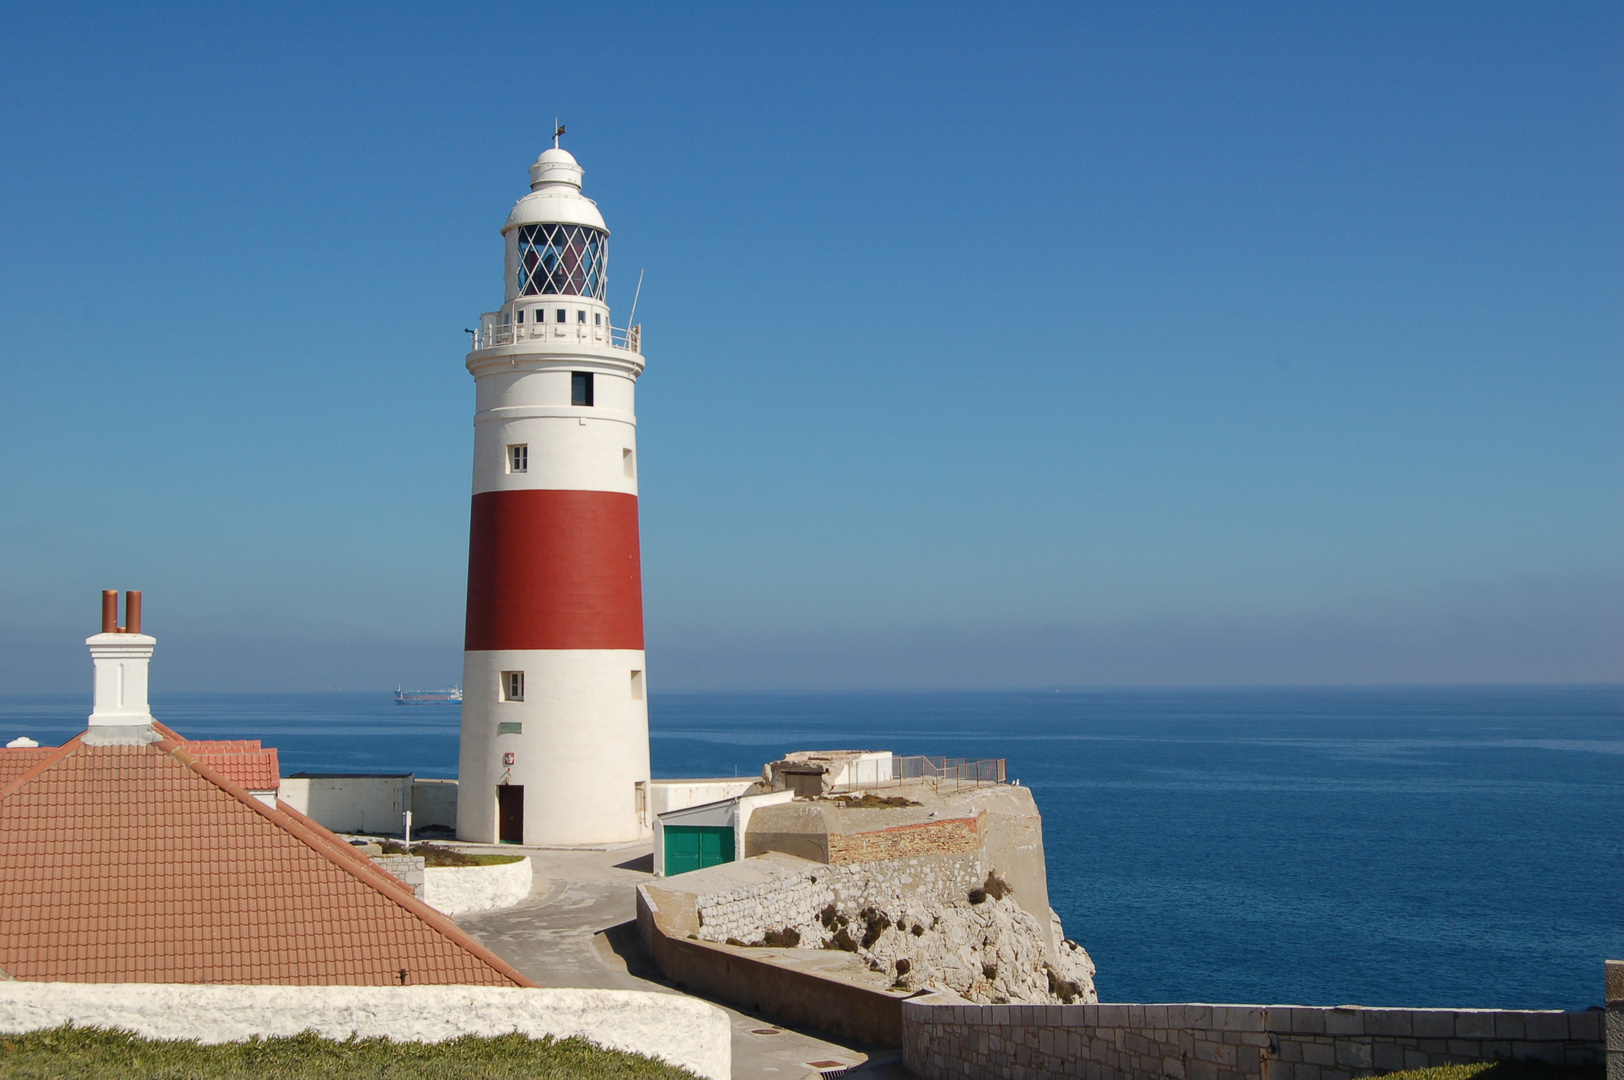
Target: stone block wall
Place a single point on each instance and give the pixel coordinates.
(1226, 1042)
(408, 868)
(797, 896)
(1615, 1020)
(951, 836)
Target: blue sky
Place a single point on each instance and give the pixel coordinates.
(988, 346)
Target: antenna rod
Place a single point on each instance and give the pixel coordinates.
(635, 295)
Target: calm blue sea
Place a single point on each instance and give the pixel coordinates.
(1422, 847)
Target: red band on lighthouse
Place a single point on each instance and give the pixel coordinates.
(551, 569)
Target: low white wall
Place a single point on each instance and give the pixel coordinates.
(667, 795)
(434, 802)
(463, 890)
(684, 1031)
(351, 804)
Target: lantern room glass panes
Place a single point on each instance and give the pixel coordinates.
(562, 260)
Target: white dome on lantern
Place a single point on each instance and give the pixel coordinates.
(555, 195)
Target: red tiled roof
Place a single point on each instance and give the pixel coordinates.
(16, 760)
(241, 761)
(146, 864)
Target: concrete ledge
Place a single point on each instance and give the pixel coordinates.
(786, 994)
(463, 890)
(682, 1031)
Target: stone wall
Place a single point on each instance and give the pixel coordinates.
(1225, 1042)
(1615, 1020)
(952, 836)
(797, 897)
(683, 1031)
(408, 868)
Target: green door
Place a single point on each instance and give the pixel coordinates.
(692, 847)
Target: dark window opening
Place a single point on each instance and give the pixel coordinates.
(580, 317)
(563, 316)
(580, 388)
(518, 316)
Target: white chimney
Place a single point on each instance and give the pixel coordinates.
(121, 656)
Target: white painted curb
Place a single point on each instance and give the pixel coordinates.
(463, 890)
(682, 1031)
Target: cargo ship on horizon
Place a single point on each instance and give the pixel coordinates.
(452, 696)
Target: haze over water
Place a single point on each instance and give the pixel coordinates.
(1426, 847)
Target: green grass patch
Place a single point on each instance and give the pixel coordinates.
(1503, 1070)
(83, 1052)
(435, 855)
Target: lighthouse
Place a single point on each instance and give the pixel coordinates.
(554, 715)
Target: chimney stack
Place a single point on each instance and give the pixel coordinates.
(120, 656)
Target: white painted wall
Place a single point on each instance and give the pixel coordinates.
(434, 802)
(351, 804)
(668, 795)
(463, 890)
(580, 756)
(684, 1031)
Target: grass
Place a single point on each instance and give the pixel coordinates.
(81, 1052)
(435, 855)
(1503, 1070)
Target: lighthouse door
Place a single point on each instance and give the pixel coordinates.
(510, 814)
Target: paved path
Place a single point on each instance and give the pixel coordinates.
(577, 930)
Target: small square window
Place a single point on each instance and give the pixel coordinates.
(580, 317)
(510, 727)
(519, 457)
(518, 316)
(580, 388)
(597, 318)
(637, 686)
(512, 686)
(628, 461)
(563, 316)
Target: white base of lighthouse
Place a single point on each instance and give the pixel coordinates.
(571, 750)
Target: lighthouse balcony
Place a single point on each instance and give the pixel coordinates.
(493, 332)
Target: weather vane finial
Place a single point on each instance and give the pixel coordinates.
(556, 133)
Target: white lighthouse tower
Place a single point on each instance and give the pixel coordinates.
(554, 712)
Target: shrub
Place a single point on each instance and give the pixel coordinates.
(787, 938)
(875, 924)
(989, 972)
(978, 896)
(917, 931)
(995, 886)
(903, 966)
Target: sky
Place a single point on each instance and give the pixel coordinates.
(988, 346)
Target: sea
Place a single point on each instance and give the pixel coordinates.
(1449, 847)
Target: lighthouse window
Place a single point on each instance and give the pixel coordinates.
(580, 317)
(512, 686)
(597, 318)
(562, 260)
(518, 316)
(519, 458)
(637, 686)
(580, 388)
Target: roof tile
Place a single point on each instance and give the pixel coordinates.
(154, 864)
